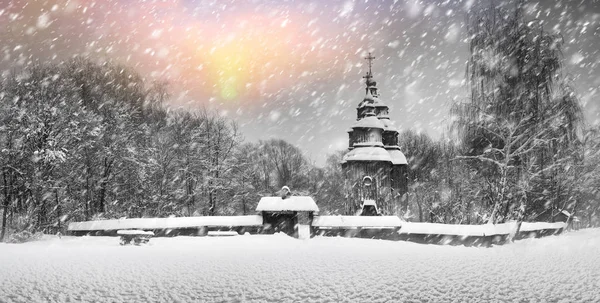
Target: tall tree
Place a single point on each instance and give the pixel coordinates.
(521, 113)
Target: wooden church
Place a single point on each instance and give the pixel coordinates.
(374, 167)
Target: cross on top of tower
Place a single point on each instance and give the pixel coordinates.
(370, 59)
(369, 74)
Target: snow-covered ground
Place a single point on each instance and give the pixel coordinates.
(263, 268)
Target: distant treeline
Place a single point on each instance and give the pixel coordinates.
(81, 140)
(84, 140)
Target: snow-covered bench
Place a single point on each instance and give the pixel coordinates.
(138, 236)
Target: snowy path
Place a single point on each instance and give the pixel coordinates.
(277, 268)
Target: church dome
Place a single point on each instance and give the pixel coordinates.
(369, 122)
(368, 101)
(367, 154)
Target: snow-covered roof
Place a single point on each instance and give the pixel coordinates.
(368, 122)
(165, 223)
(371, 101)
(293, 203)
(366, 144)
(366, 103)
(397, 156)
(357, 221)
(367, 154)
(424, 228)
(378, 103)
(388, 125)
(369, 202)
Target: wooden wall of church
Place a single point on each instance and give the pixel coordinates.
(380, 190)
(390, 138)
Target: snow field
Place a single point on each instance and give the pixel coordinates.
(277, 268)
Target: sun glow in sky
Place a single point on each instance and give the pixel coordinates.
(192, 44)
(289, 69)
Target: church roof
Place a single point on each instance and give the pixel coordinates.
(370, 153)
(397, 156)
(368, 101)
(388, 125)
(369, 122)
(293, 203)
(369, 96)
(378, 103)
(367, 144)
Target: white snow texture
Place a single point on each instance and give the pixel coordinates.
(277, 268)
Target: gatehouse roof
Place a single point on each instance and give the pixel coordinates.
(292, 203)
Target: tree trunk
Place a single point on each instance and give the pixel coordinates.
(58, 209)
(500, 197)
(506, 209)
(211, 201)
(420, 206)
(5, 207)
(88, 190)
(244, 203)
(100, 207)
(4, 218)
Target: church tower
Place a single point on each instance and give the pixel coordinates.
(374, 167)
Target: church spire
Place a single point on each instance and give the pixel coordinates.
(371, 84)
(369, 75)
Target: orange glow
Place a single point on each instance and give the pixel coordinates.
(233, 56)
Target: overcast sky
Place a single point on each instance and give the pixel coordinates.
(291, 69)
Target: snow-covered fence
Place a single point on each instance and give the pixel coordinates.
(357, 226)
(289, 214)
(477, 235)
(376, 227)
(392, 228)
(540, 229)
(170, 226)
